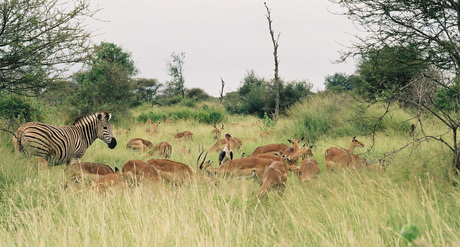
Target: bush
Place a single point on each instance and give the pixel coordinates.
(204, 115)
(14, 107)
(337, 115)
(256, 96)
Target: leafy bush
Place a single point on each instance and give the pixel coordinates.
(14, 107)
(337, 115)
(204, 115)
(257, 96)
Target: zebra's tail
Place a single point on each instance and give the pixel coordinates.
(17, 137)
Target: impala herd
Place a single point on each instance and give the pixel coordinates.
(270, 164)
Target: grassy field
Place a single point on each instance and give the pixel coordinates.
(344, 208)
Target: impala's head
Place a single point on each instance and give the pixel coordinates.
(283, 157)
(295, 142)
(306, 151)
(203, 165)
(356, 143)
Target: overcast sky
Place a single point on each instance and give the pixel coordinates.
(227, 38)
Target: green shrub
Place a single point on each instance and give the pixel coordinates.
(203, 115)
(337, 115)
(15, 107)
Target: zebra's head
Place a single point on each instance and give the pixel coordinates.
(104, 130)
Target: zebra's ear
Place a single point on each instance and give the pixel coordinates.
(99, 116)
(108, 116)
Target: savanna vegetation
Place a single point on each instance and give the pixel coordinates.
(417, 190)
(402, 103)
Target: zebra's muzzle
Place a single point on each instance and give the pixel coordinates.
(113, 143)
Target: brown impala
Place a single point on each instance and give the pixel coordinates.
(270, 148)
(243, 168)
(217, 132)
(164, 149)
(275, 176)
(141, 170)
(140, 144)
(340, 158)
(172, 171)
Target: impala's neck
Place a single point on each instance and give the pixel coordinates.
(351, 148)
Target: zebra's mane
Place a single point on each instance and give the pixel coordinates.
(79, 118)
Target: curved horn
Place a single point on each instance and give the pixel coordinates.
(206, 155)
(222, 125)
(198, 160)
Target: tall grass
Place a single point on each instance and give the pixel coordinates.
(345, 208)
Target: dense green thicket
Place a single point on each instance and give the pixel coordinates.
(15, 107)
(337, 115)
(256, 96)
(204, 115)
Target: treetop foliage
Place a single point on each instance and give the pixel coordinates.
(257, 96)
(39, 41)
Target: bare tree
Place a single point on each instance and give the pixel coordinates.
(175, 68)
(222, 90)
(276, 81)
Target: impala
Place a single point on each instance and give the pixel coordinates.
(153, 129)
(89, 168)
(270, 148)
(88, 172)
(109, 180)
(140, 144)
(217, 132)
(241, 168)
(293, 152)
(141, 170)
(275, 176)
(339, 157)
(308, 170)
(172, 171)
(184, 135)
(164, 149)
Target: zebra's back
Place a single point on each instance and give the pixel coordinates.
(55, 144)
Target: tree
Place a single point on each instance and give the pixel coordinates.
(431, 27)
(108, 84)
(39, 41)
(256, 96)
(197, 93)
(386, 72)
(338, 81)
(147, 89)
(176, 70)
(276, 79)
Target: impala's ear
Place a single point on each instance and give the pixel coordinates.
(289, 141)
(311, 146)
(301, 139)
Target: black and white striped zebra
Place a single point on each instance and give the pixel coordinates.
(65, 144)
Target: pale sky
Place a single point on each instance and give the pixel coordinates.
(227, 38)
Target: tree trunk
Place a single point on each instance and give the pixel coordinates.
(275, 55)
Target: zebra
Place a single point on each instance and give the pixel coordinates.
(65, 144)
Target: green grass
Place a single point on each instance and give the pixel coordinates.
(345, 208)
